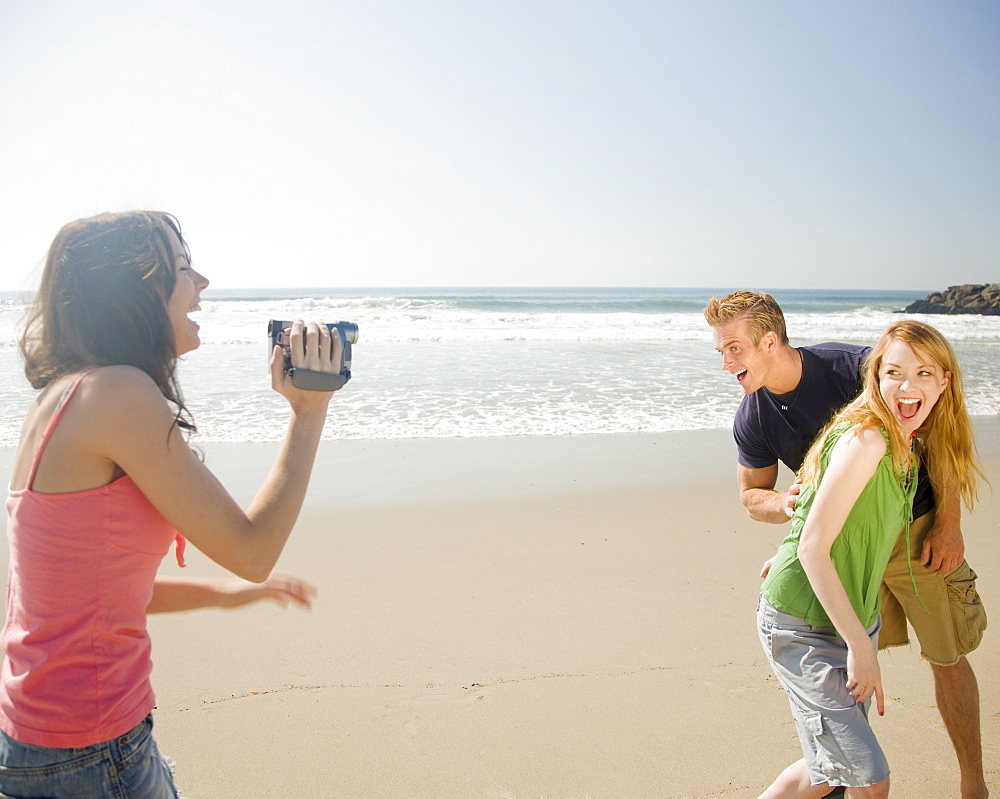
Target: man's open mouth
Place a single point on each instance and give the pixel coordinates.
(741, 375)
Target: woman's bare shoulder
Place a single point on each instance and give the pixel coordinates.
(864, 438)
(116, 377)
(120, 394)
(110, 407)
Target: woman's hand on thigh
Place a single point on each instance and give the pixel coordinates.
(864, 677)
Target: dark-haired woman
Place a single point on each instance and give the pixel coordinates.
(103, 484)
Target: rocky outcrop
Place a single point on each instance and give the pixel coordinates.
(981, 299)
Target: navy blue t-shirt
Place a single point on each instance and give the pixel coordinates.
(781, 427)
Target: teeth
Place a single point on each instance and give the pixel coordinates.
(908, 401)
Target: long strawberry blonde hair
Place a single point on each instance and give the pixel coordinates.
(944, 439)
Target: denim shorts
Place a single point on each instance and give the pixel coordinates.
(127, 767)
(811, 664)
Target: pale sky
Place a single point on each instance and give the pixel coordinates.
(425, 143)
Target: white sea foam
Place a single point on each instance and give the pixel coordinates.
(493, 363)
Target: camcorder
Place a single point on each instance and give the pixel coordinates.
(306, 378)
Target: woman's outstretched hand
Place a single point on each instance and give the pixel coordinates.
(173, 594)
(283, 589)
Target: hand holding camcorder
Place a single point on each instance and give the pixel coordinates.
(307, 379)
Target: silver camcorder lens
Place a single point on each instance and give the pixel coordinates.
(349, 331)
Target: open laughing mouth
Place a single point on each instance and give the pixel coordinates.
(741, 375)
(908, 407)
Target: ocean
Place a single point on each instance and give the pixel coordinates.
(504, 362)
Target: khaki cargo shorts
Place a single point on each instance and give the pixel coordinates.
(956, 620)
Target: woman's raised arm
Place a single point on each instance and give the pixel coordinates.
(134, 427)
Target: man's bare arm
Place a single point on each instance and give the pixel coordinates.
(944, 546)
(758, 496)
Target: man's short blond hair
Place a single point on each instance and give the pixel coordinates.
(760, 311)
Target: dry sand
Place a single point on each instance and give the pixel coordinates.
(536, 617)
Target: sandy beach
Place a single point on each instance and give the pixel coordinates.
(521, 617)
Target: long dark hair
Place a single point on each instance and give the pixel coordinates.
(103, 301)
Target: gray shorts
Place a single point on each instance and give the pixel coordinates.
(811, 664)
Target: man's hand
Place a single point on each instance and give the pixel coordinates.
(758, 496)
(792, 496)
(944, 547)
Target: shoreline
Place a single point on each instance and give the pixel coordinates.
(435, 469)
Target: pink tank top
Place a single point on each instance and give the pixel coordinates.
(80, 577)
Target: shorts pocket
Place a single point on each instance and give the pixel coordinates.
(60, 778)
(813, 722)
(826, 759)
(823, 755)
(967, 610)
(143, 772)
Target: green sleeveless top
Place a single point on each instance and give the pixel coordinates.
(859, 553)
